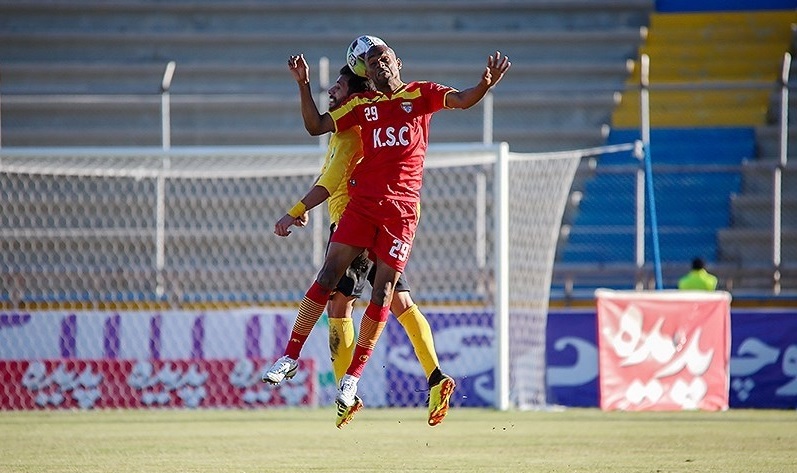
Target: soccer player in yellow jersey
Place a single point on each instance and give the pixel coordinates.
(343, 154)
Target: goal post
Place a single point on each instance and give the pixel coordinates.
(81, 227)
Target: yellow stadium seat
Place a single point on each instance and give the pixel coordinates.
(720, 62)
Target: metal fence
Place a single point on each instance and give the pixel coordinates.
(746, 267)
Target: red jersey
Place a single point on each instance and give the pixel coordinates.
(395, 134)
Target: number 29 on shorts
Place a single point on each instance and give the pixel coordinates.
(400, 250)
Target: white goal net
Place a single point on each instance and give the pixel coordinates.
(148, 229)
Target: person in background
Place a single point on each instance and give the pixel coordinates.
(698, 279)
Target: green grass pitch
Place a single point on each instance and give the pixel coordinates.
(397, 440)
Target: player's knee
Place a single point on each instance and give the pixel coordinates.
(382, 295)
(401, 302)
(326, 279)
(328, 276)
(340, 306)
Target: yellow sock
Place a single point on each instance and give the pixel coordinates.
(341, 344)
(417, 328)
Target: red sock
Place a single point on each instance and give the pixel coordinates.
(371, 327)
(310, 310)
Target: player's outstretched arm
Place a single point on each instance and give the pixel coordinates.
(314, 122)
(297, 215)
(497, 65)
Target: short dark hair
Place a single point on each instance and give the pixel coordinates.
(698, 263)
(357, 84)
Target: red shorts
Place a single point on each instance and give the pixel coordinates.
(386, 227)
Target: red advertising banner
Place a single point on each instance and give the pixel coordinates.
(663, 350)
(107, 383)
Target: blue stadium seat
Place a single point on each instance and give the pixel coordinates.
(727, 145)
(691, 206)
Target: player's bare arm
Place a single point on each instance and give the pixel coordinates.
(298, 215)
(314, 122)
(497, 65)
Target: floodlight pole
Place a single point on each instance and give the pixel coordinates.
(639, 247)
(487, 119)
(323, 98)
(651, 197)
(319, 225)
(166, 120)
(777, 220)
(160, 209)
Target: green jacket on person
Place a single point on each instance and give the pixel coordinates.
(698, 280)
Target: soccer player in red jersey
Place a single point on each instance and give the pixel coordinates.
(384, 190)
(344, 151)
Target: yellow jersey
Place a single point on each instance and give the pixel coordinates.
(345, 150)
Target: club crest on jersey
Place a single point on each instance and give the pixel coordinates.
(406, 106)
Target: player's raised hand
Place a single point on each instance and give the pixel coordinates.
(299, 68)
(497, 65)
